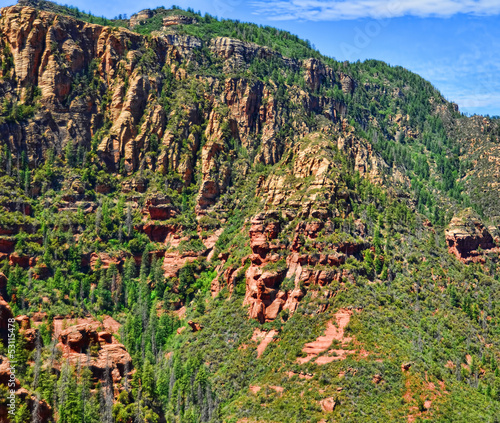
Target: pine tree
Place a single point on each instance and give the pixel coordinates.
(69, 401)
(70, 153)
(148, 381)
(144, 271)
(378, 263)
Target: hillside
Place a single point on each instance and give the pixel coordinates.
(209, 221)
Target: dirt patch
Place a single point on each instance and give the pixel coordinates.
(328, 404)
(322, 343)
(265, 339)
(254, 389)
(301, 375)
(278, 389)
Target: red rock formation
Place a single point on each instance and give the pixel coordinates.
(157, 232)
(178, 20)
(44, 410)
(7, 245)
(328, 404)
(23, 321)
(264, 338)
(16, 259)
(105, 352)
(195, 327)
(30, 338)
(466, 234)
(174, 261)
(228, 276)
(322, 343)
(106, 260)
(29, 334)
(268, 268)
(138, 18)
(160, 208)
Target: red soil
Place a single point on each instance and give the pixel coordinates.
(322, 343)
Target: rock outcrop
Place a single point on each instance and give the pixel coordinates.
(468, 239)
(89, 345)
(273, 261)
(178, 20)
(33, 403)
(139, 17)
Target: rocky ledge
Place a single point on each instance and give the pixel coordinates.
(468, 239)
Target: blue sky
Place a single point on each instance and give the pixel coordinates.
(452, 43)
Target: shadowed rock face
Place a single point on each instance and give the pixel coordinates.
(466, 234)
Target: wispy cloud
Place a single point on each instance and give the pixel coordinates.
(332, 10)
(469, 79)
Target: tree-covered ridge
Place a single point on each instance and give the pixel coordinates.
(419, 142)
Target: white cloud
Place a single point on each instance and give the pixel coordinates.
(470, 79)
(332, 10)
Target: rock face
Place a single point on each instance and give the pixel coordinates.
(159, 208)
(139, 17)
(88, 345)
(3, 285)
(265, 295)
(44, 409)
(41, 43)
(178, 20)
(466, 236)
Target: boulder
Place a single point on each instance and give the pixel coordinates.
(328, 404)
(23, 321)
(195, 327)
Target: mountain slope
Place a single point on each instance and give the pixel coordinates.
(209, 221)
